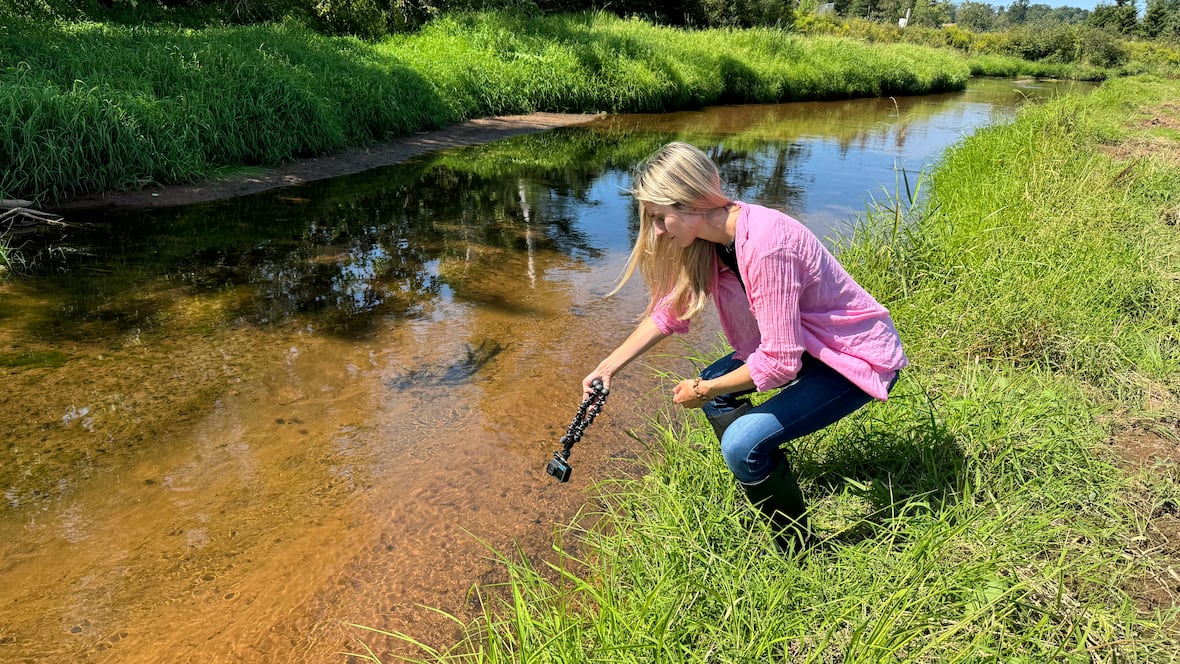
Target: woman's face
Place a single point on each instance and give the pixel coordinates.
(675, 224)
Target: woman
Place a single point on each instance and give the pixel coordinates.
(794, 317)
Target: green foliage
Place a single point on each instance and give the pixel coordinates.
(1034, 221)
(1039, 13)
(87, 107)
(932, 15)
(1017, 13)
(743, 13)
(373, 19)
(1089, 53)
(1011, 67)
(1065, 43)
(1092, 47)
(1154, 56)
(1161, 20)
(368, 19)
(976, 16)
(1120, 18)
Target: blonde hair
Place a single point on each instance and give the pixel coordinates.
(682, 176)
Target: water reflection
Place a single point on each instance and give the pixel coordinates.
(397, 241)
(353, 377)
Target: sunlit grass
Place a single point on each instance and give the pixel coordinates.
(976, 516)
(89, 107)
(1012, 67)
(1041, 250)
(944, 538)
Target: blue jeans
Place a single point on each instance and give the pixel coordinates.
(818, 396)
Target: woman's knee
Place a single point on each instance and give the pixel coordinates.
(744, 449)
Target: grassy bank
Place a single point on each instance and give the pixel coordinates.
(87, 107)
(992, 510)
(1013, 67)
(1049, 50)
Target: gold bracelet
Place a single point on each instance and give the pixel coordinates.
(696, 389)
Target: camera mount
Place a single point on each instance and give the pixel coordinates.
(559, 466)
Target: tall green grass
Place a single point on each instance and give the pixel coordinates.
(975, 517)
(1009, 66)
(1054, 253)
(1077, 52)
(86, 107)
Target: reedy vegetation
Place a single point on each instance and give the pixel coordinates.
(975, 516)
(1080, 52)
(89, 107)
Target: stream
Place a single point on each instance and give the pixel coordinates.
(234, 431)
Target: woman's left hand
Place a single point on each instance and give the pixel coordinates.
(684, 395)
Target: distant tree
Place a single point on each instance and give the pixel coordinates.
(932, 13)
(1161, 20)
(1036, 13)
(1069, 15)
(1018, 12)
(857, 8)
(1121, 18)
(891, 10)
(1042, 14)
(977, 16)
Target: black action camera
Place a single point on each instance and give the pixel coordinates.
(559, 468)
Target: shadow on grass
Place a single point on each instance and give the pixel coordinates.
(897, 459)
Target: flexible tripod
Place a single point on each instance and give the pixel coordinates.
(559, 466)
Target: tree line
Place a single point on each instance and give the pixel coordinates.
(371, 19)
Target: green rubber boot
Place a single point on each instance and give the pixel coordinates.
(778, 497)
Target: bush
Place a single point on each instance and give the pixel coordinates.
(1063, 44)
(1098, 47)
(1154, 55)
(957, 37)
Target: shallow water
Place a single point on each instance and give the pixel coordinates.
(234, 430)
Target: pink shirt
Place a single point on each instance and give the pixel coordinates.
(797, 298)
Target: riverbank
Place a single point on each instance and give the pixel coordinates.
(1015, 499)
(103, 108)
(345, 162)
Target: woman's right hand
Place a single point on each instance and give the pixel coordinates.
(588, 381)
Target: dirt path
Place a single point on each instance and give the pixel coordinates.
(356, 160)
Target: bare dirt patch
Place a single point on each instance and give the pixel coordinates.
(1153, 444)
(1152, 140)
(1153, 449)
(1167, 116)
(472, 132)
(1160, 590)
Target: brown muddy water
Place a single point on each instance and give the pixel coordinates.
(231, 432)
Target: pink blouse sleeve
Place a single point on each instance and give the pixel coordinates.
(665, 321)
